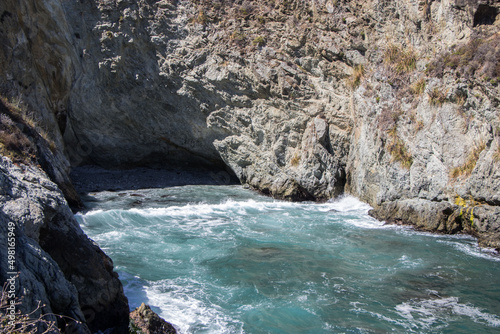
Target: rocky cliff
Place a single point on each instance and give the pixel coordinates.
(58, 265)
(426, 147)
(395, 102)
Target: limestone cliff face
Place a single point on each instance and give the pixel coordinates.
(37, 71)
(157, 84)
(152, 82)
(395, 102)
(425, 150)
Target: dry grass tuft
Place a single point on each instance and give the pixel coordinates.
(399, 152)
(469, 165)
(357, 75)
(15, 142)
(12, 321)
(402, 61)
(437, 97)
(418, 87)
(496, 155)
(259, 41)
(295, 159)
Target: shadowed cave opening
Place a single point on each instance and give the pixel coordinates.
(94, 177)
(485, 15)
(177, 166)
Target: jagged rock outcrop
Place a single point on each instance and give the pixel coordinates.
(148, 322)
(140, 81)
(58, 264)
(37, 72)
(258, 101)
(427, 134)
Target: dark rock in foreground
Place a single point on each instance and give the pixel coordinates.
(57, 263)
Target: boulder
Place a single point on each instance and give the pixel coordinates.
(148, 322)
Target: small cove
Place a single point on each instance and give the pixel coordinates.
(223, 259)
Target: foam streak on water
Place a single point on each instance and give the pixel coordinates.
(225, 260)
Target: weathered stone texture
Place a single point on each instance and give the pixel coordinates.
(303, 100)
(58, 264)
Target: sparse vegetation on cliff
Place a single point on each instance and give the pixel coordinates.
(295, 159)
(12, 321)
(418, 87)
(14, 143)
(467, 168)
(400, 60)
(399, 152)
(357, 75)
(259, 41)
(437, 97)
(201, 18)
(496, 155)
(478, 58)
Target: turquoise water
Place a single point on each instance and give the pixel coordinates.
(223, 259)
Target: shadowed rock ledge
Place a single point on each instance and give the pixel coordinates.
(58, 264)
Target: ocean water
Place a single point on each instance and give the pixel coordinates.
(223, 259)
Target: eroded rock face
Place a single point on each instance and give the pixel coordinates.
(149, 322)
(158, 85)
(37, 69)
(301, 99)
(57, 263)
(420, 154)
(130, 103)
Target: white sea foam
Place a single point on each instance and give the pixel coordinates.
(203, 216)
(367, 223)
(204, 209)
(349, 203)
(429, 312)
(476, 314)
(90, 213)
(473, 249)
(183, 303)
(359, 307)
(112, 235)
(343, 204)
(180, 303)
(408, 262)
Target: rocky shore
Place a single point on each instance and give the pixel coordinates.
(394, 102)
(58, 265)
